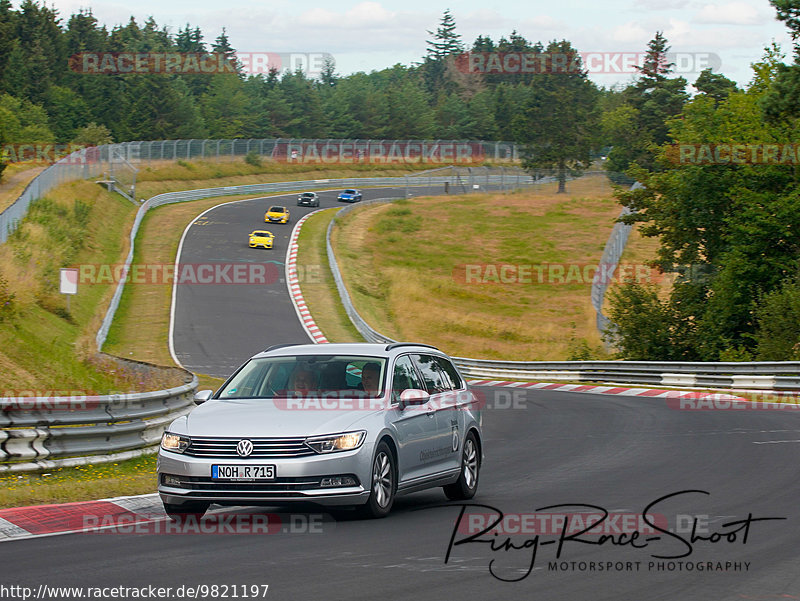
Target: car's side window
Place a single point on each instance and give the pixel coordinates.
(449, 373)
(405, 377)
(435, 380)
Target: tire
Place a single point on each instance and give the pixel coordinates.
(467, 484)
(178, 513)
(383, 484)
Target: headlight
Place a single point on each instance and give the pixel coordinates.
(337, 442)
(174, 442)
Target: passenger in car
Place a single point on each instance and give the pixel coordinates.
(370, 378)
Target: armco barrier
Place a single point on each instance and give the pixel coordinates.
(611, 256)
(774, 375)
(48, 432)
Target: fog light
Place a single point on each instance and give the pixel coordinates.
(171, 480)
(338, 481)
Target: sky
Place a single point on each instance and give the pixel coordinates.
(372, 35)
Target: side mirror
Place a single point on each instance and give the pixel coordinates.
(201, 396)
(413, 396)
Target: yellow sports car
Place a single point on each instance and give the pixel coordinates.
(261, 238)
(276, 215)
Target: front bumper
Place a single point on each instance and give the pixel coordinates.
(261, 244)
(297, 479)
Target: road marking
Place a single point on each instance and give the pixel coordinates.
(774, 441)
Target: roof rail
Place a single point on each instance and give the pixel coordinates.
(395, 345)
(275, 347)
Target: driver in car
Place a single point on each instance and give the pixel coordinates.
(303, 380)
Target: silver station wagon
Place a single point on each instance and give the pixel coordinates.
(332, 424)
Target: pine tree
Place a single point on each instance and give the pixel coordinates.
(445, 45)
(558, 123)
(640, 123)
(445, 41)
(222, 46)
(655, 66)
(190, 40)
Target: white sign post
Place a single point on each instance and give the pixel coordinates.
(69, 283)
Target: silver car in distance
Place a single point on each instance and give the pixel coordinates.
(332, 424)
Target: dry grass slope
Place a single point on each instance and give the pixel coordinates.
(404, 266)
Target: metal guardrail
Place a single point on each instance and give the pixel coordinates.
(612, 253)
(47, 432)
(773, 375)
(369, 334)
(326, 150)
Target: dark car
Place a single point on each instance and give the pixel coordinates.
(308, 199)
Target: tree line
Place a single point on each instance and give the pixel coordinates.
(722, 196)
(44, 99)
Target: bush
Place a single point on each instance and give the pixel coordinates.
(578, 349)
(253, 158)
(93, 135)
(778, 316)
(643, 322)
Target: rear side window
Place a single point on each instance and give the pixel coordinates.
(435, 378)
(449, 373)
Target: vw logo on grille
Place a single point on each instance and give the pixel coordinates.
(244, 447)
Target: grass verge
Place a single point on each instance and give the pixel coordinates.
(47, 345)
(66, 485)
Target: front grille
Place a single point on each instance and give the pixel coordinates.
(263, 448)
(288, 487)
(277, 486)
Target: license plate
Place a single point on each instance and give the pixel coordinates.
(243, 472)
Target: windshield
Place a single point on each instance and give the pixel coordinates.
(276, 209)
(308, 375)
(308, 194)
(349, 191)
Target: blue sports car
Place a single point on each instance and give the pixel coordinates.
(349, 196)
